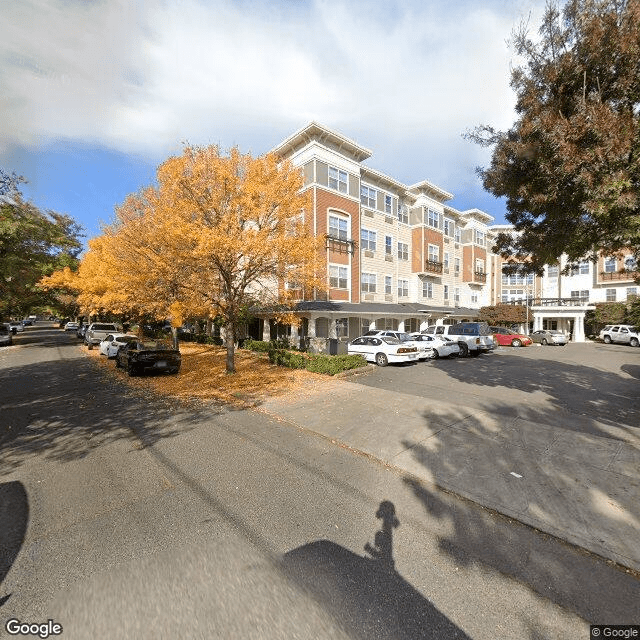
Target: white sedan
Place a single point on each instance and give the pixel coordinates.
(383, 350)
(71, 326)
(110, 345)
(440, 347)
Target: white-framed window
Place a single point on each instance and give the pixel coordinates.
(338, 179)
(403, 288)
(456, 265)
(479, 265)
(630, 263)
(427, 289)
(403, 212)
(388, 245)
(338, 227)
(511, 279)
(368, 282)
(610, 265)
(368, 196)
(480, 237)
(445, 260)
(403, 251)
(458, 234)
(456, 295)
(434, 253)
(368, 240)
(632, 291)
(553, 270)
(342, 327)
(509, 295)
(433, 218)
(474, 296)
(610, 295)
(388, 285)
(448, 227)
(583, 293)
(445, 291)
(338, 276)
(387, 204)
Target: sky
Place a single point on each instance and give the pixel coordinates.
(95, 94)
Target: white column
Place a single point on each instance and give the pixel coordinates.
(424, 324)
(266, 331)
(333, 332)
(295, 337)
(578, 328)
(401, 325)
(372, 325)
(312, 326)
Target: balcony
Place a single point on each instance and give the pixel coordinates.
(552, 302)
(607, 276)
(431, 266)
(480, 276)
(339, 245)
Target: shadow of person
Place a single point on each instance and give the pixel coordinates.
(14, 517)
(383, 549)
(365, 595)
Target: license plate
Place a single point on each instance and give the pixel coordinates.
(160, 363)
(413, 356)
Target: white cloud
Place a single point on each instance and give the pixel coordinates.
(142, 77)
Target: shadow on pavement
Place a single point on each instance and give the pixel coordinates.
(367, 597)
(14, 518)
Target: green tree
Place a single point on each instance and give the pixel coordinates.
(569, 167)
(33, 243)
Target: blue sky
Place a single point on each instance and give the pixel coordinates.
(97, 93)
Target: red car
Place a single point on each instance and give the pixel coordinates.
(507, 338)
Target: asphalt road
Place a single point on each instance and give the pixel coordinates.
(127, 517)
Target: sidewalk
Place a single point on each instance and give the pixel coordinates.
(579, 487)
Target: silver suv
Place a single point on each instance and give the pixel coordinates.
(98, 331)
(473, 338)
(622, 334)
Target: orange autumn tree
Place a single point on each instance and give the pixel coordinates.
(218, 234)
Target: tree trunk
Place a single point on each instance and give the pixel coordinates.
(174, 337)
(229, 338)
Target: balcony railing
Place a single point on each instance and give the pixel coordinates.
(552, 302)
(479, 276)
(617, 275)
(432, 266)
(340, 245)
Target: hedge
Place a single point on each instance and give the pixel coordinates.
(316, 363)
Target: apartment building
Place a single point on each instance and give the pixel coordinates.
(398, 256)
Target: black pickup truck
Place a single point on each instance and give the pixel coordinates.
(143, 356)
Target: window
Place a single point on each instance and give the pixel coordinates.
(448, 227)
(338, 228)
(445, 291)
(479, 265)
(403, 212)
(368, 197)
(388, 285)
(403, 288)
(368, 240)
(609, 266)
(433, 218)
(580, 267)
(338, 179)
(511, 279)
(553, 270)
(445, 262)
(456, 295)
(387, 204)
(403, 251)
(427, 289)
(388, 245)
(480, 238)
(474, 296)
(509, 295)
(368, 282)
(456, 264)
(434, 253)
(458, 234)
(632, 291)
(338, 276)
(583, 294)
(630, 264)
(611, 295)
(342, 327)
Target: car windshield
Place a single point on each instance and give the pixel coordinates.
(390, 340)
(155, 345)
(102, 327)
(126, 338)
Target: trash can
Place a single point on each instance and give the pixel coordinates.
(333, 346)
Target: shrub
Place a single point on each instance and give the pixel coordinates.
(330, 365)
(258, 345)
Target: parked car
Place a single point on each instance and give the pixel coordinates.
(82, 329)
(507, 338)
(602, 331)
(383, 349)
(473, 338)
(6, 337)
(423, 349)
(71, 326)
(16, 327)
(622, 334)
(97, 332)
(110, 345)
(27, 322)
(140, 356)
(440, 347)
(549, 336)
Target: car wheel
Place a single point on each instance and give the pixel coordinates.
(381, 360)
(436, 355)
(607, 340)
(464, 350)
(131, 370)
(634, 342)
(89, 346)
(544, 342)
(475, 353)
(516, 343)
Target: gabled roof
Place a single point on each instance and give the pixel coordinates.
(319, 133)
(431, 189)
